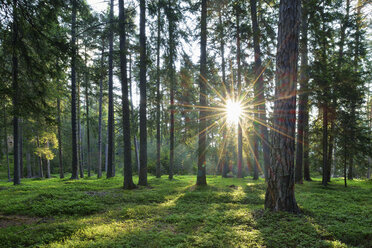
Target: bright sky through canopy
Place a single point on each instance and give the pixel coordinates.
(233, 111)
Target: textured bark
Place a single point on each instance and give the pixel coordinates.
(21, 148)
(158, 97)
(16, 176)
(87, 112)
(202, 145)
(240, 131)
(128, 179)
(80, 136)
(99, 165)
(280, 195)
(325, 144)
(6, 143)
(28, 164)
(260, 90)
(110, 131)
(47, 163)
(172, 78)
(74, 163)
(143, 100)
(303, 108)
(60, 158)
(41, 172)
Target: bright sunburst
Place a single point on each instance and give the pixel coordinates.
(233, 111)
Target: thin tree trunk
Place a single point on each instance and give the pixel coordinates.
(74, 174)
(170, 16)
(41, 172)
(47, 162)
(106, 157)
(128, 179)
(202, 145)
(99, 169)
(61, 174)
(240, 131)
(28, 162)
(6, 143)
(110, 140)
(302, 123)
(87, 112)
(21, 147)
(80, 142)
(16, 92)
(143, 100)
(158, 98)
(345, 162)
(280, 195)
(260, 90)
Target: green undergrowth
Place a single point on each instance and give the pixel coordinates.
(226, 213)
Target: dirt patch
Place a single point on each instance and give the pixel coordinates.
(17, 220)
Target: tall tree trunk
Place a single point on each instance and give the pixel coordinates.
(158, 97)
(302, 123)
(47, 162)
(128, 179)
(172, 78)
(143, 101)
(80, 137)
(99, 165)
(74, 163)
(21, 147)
(110, 131)
(202, 145)
(260, 89)
(28, 162)
(345, 162)
(6, 143)
(41, 172)
(16, 176)
(240, 131)
(87, 111)
(106, 157)
(61, 174)
(280, 195)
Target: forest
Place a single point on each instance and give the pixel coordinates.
(185, 123)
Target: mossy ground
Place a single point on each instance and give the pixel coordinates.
(226, 213)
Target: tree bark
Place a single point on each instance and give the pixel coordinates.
(47, 162)
(202, 143)
(99, 165)
(110, 131)
(143, 100)
(302, 123)
(80, 137)
(240, 131)
(87, 112)
(280, 195)
(74, 163)
(41, 172)
(6, 143)
(260, 90)
(16, 176)
(158, 96)
(128, 179)
(28, 161)
(61, 174)
(21, 148)
(172, 78)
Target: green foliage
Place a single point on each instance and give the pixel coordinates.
(227, 213)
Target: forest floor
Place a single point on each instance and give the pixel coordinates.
(226, 213)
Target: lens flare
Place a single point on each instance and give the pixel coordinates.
(233, 110)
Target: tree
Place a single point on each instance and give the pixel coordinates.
(280, 195)
(128, 180)
(158, 95)
(74, 164)
(99, 165)
(143, 97)
(202, 148)
(111, 120)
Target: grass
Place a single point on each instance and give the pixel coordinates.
(226, 213)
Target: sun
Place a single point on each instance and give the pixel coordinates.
(233, 110)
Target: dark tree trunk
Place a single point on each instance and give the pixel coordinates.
(80, 140)
(41, 172)
(280, 195)
(240, 131)
(47, 162)
(172, 86)
(28, 162)
(260, 89)
(21, 148)
(158, 98)
(143, 101)
(74, 174)
(325, 144)
(87, 112)
(6, 143)
(99, 169)
(16, 176)
(110, 131)
(128, 179)
(61, 174)
(345, 162)
(302, 122)
(202, 145)
(331, 140)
